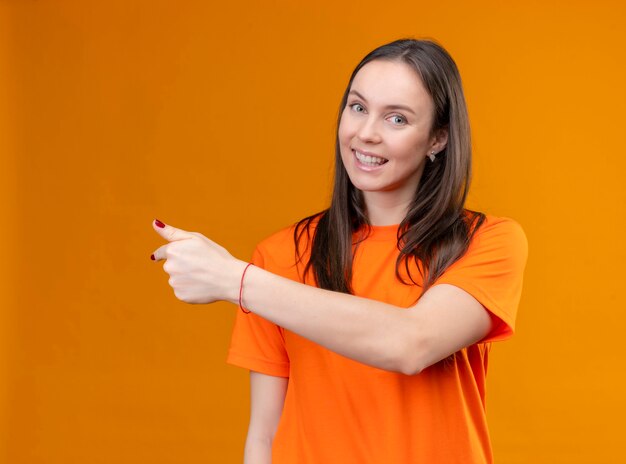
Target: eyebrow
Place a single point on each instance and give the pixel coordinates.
(388, 107)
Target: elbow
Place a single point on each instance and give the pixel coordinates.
(413, 355)
(409, 367)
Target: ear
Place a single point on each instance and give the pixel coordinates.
(439, 140)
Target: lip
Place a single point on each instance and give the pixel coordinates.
(365, 167)
(368, 153)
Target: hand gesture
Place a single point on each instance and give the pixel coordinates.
(200, 270)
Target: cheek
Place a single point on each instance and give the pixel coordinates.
(412, 147)
(345, 131)
(345, 141)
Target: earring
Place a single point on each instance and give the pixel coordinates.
(432, 156)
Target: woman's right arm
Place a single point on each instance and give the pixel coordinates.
(267, 396)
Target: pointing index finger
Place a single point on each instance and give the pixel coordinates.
(170, 233)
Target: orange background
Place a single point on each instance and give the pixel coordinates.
(219, 118)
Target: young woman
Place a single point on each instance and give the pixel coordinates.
(367, 327)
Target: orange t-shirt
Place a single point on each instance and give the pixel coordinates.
(341, 411)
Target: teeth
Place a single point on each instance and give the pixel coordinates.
(372, 160)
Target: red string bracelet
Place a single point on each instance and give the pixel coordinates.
(241, 290)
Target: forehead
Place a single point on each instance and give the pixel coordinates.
(391, 82)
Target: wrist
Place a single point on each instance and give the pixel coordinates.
(234, 285)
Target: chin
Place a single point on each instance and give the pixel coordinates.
(368, 187)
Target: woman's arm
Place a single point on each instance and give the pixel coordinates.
(267, 396)
(442, 322)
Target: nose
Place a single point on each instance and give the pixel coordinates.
(369, 131)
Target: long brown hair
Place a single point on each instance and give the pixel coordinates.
(437, 229)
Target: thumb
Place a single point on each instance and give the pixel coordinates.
(170, 233)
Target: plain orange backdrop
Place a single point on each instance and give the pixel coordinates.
(219, 117)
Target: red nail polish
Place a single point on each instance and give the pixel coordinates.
(159, 223)
(152, 257)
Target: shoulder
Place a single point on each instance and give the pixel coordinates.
(498, 239)
(278, 240)
(492, 271)
(497, 231)
(302, 232)
(279, 248)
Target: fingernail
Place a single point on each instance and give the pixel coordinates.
(159, 223)
(152, 257)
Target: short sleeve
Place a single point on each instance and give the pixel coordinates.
(257, 344)
(492, 271)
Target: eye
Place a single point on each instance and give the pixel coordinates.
(397, 119)
(357, 107)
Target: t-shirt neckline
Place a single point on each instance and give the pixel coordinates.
(381, 233)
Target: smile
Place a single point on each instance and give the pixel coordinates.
(369, 160)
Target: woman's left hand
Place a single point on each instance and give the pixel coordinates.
(200, 270)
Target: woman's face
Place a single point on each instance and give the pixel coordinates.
(385, 129)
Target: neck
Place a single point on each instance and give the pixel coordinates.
(385, 208)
